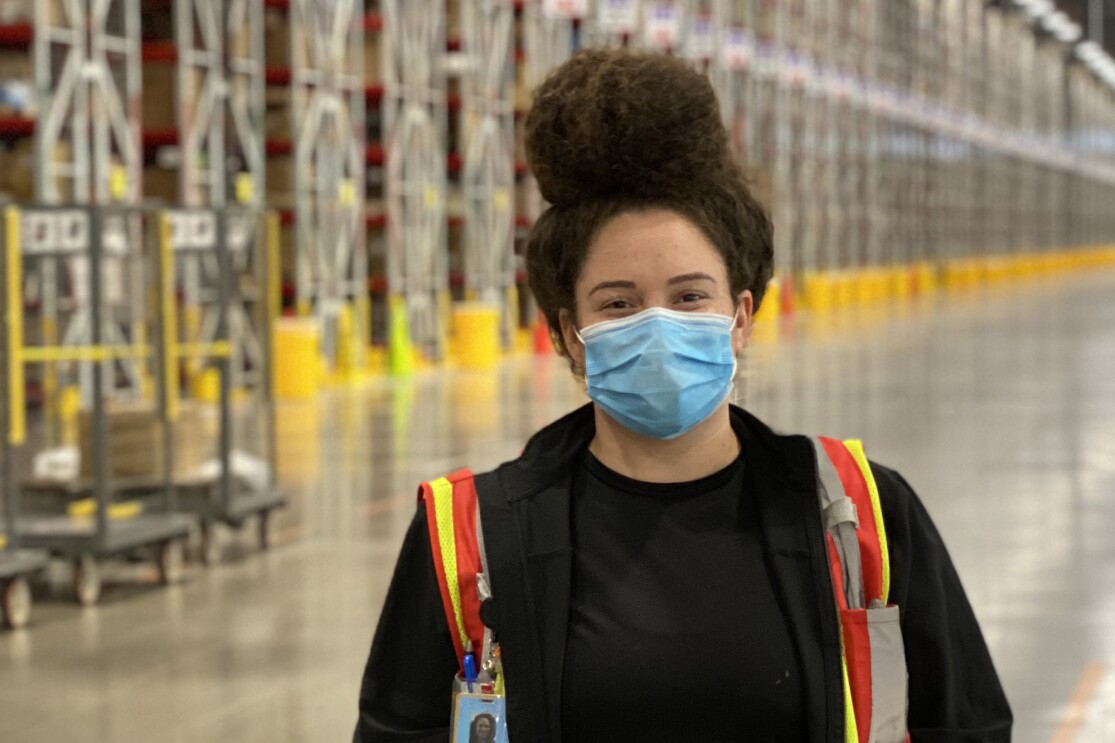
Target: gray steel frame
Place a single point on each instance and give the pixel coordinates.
(487, 131)
(220, 116)
(328, 96)
(415, 127)
(231, 242)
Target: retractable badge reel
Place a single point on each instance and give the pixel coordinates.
(479, 705)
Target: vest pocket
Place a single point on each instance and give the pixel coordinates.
(876, 661)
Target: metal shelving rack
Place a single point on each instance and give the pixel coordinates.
(220, 79)
(415, 130)
(328, 95)
(88, 148)
(240, 298)
(548, 41)
(487, 131)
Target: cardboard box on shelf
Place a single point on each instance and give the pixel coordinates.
(134, 440)
(280, 180)
(16, 11)
(16, 64)
(371, 57)
(161, 183)
(286, 254)
(276, 39)
(158, 92)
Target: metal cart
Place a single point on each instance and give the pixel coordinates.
(65, 254)
(223, 263)
(16, 564)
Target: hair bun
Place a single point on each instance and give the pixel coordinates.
(615, 122)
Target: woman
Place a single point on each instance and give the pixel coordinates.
(482, 729)
(657, 558)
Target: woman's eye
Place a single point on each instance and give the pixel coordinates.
(690, 297)
(617, 304)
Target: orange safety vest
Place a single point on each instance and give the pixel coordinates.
(873, 655)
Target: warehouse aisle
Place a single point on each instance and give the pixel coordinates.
(1000, 410)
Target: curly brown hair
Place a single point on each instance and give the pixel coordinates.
(614, 131)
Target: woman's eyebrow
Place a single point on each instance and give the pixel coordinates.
(612, 285)
(690, 277)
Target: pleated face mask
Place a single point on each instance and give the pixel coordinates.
(660, 372)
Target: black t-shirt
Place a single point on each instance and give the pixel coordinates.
(675, 632)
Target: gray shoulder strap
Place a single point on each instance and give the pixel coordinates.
(838, 513)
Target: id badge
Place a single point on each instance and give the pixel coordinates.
(479, 718)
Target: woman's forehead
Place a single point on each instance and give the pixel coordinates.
(652, 246)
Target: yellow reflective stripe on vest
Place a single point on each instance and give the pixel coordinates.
(447, 538)
(856, 448)
(851, 730)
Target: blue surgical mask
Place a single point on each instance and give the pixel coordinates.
(660, 372)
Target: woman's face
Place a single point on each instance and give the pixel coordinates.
(484, 728)
(652, 259)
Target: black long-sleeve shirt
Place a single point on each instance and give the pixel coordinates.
(530, 523)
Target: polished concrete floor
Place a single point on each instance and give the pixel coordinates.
(998, 406)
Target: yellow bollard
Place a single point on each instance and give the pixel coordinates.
(205, 386)
(476, 335)
(69, 404)
(817, 293)
(297, 358)
(901, 283)
(764, 323)
(400, 351)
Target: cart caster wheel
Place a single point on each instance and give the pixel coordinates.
(87, 580)
(170, 562)
(266, 538)
(16, 600)
(210, 546)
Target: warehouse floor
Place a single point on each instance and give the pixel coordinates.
(999, 407)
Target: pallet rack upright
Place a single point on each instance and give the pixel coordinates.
(415, 130)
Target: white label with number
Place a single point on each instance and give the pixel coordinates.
(701, 41)
(617, 16)
(193, 230)
(55, 232)
(735, 53)
(565, 8)
(663, 25)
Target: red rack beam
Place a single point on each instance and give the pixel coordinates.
(278, 76)
(276, 147)
(160, 138)
(374, 155)
(374, 93)
(373, 22)
(160, 51)
(17, 126)
(17, 34)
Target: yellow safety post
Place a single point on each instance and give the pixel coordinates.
(345, 361)
(817, 293)
(297, 358)
(400, 351)
(170, 316)
(899, 282)
(205, 386)
(926, 277)
(861, 286)
(17, 404)
(476, 334)
(764, 323)
(69, 404)
(843, 290)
